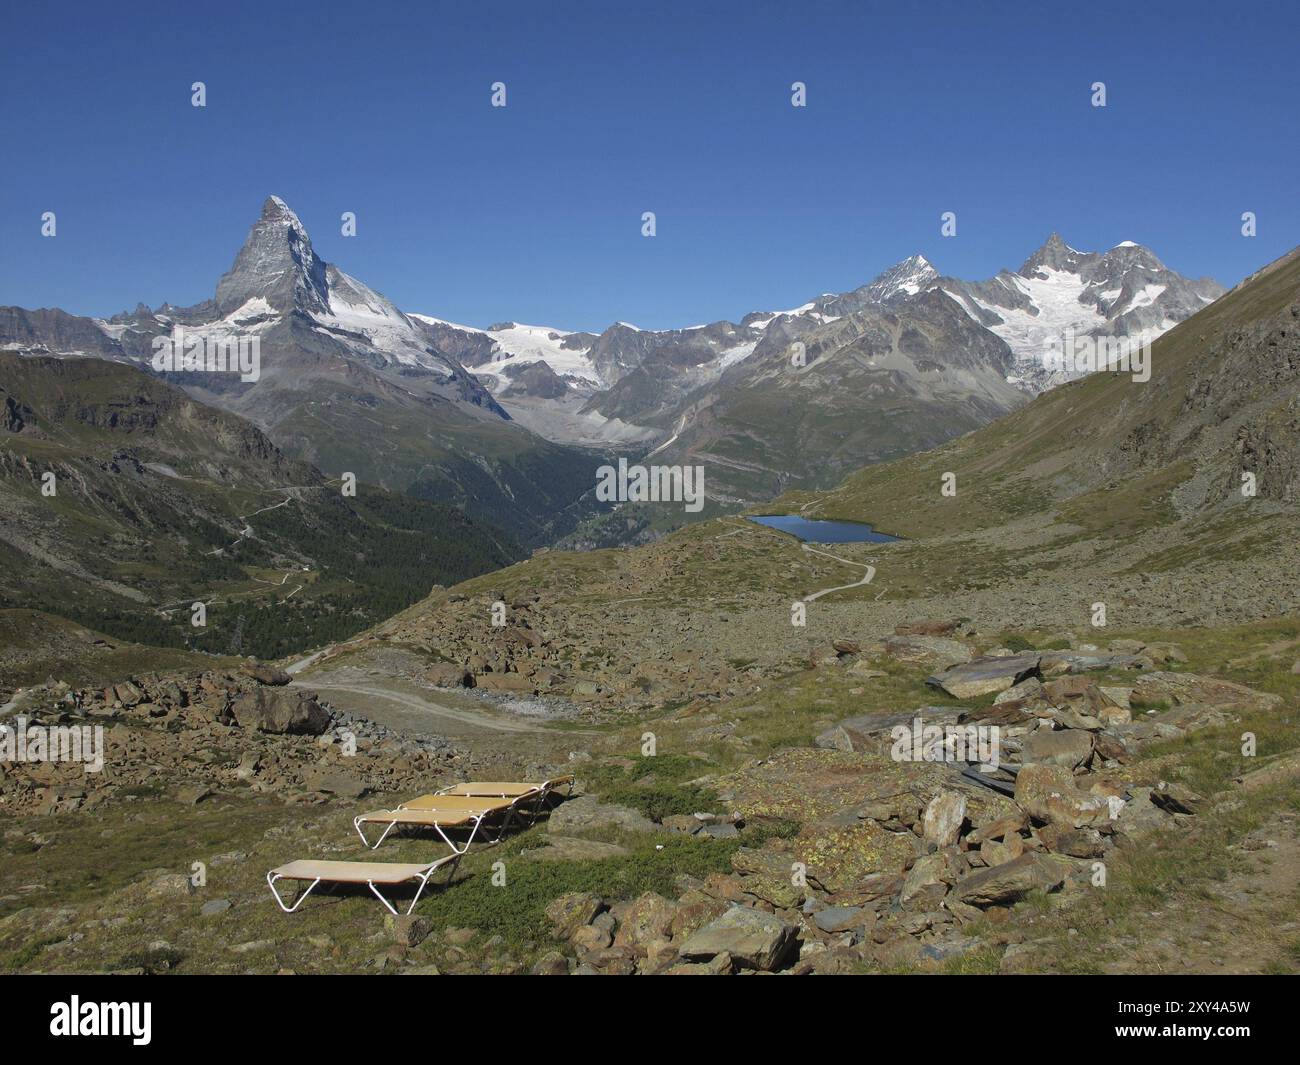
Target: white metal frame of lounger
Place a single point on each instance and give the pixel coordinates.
(509, 811)
(454, 859)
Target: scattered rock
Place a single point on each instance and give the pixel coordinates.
(1070, 748)
(278, 711)
(751, 937)
(552, 963)
(985, 675)
(265, 674)
(586, 812)
(943, 818)
(1012, 881)
(408, 930)
(574, 849)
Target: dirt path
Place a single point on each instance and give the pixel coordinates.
(811, 596)
(302, 663)
(416, 710)
(866, 577)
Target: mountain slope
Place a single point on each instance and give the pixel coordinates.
(159, 501)
(1220, 403)
(875, 383)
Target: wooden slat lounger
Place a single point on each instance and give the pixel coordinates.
(368, 873)
(454, 812)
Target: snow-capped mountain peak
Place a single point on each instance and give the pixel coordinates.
(1055, 254)
(1126, 291)
(276, 263)
(907, 278)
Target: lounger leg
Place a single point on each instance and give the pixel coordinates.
(371, 885)
(506, 823)
(447, 840)
(505, 826)
(270, 882)
(478, 823)
(424, 882)
(361, 832)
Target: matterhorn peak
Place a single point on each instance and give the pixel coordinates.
(276, 210)
(277, 264)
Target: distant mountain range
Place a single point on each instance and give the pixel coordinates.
(898, 365)
(509, 422)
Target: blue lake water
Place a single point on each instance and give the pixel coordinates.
(823, 532)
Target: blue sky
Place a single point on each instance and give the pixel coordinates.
(532, 212)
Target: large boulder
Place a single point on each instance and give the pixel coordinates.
(985, 675)
(1158, 690)
(1064, 747)
(449, 675)
(568, 913)
(768, 875)
(1048, 793)
(1057, 662)
(586, 812)
(851, 734)
(644, 921)
(265, 674)
(838, 857)
(751, 937)
(280, 711)
(1028, 690)
(942, 652)
(505, 682)
(1013, 880)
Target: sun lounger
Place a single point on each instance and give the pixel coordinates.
(491, 803)
(451, 813)
(508, 789)
(531, 797)
(368, 873)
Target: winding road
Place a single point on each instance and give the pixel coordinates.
(866, 577)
